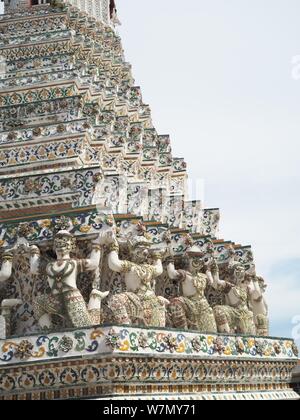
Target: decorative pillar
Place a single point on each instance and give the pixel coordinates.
(5, 321)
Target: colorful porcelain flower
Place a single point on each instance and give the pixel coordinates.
(65, 344)
(24, 350)
(85, 228)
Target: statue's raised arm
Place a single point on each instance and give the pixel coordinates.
(65, 300)
(139, 305)
(258, 304)
(172, 272)
(235, 316)
(6, 268)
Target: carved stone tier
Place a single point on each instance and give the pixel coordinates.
(87, 219)
(60, 188)
(126, 363)
(84, 223)
(94, 206)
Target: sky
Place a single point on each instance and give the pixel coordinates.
(222, 77)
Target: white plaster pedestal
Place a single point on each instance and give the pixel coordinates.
(2, 328)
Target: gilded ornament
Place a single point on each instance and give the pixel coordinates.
(85, 228)
(61, 128)
(24, 350)
(46, 223)
(2, 191)
(98, 177)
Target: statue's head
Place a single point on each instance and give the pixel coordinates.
(140, 250)
(193, 259)
(196, 262)
(64, 242)
(237, 273)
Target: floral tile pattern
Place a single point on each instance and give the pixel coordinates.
(139, 341)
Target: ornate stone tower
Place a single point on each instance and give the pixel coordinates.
(97, 229)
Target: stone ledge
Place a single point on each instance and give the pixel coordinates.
(119, 362)
(117, 340)
(91, 393)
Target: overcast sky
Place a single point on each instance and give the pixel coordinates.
(219, 78)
